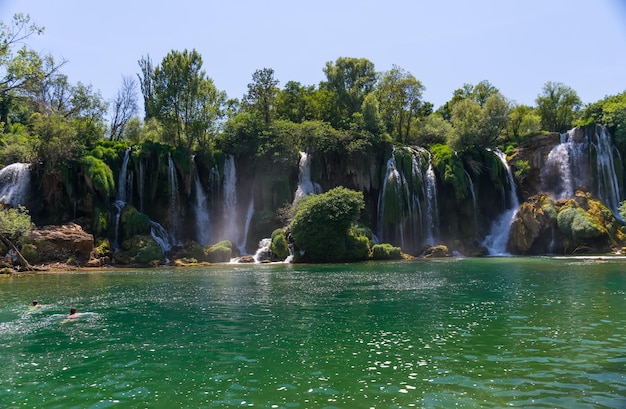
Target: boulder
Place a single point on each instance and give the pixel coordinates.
(532, 230)
(62, 243)
(438, 251)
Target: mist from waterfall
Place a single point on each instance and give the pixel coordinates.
(15, 184)
(201, 212)
(497, 240)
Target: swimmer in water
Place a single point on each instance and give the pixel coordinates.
(35, 303)
(73, 313)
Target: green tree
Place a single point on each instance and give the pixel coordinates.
(15, 226)
(54, 140)
(184, 99)
(523, 121)
(433, 129)
(22, 70)
(400, 97)
(610, 112)
(558, 106)
(321, 224)
(350, 80)
(262, 93)
(294, 102)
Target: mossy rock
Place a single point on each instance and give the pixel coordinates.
(578, 224)
(140, 250)
(279, 246)
(386, 251)
(133, 222)
(220, 252)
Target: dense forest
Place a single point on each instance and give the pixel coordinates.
(353, 125)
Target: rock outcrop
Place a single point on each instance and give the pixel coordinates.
(63, 243)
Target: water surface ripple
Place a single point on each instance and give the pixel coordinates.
(469, 333)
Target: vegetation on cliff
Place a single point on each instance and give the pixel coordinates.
(351, 124)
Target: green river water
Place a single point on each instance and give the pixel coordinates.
(462, 333)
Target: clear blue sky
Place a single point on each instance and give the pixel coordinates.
(516, 45)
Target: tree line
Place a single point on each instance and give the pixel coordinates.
(44, 118)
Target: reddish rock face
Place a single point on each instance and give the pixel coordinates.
(60, 243)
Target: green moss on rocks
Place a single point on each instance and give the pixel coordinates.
(386, 251)
(220, 252)
(279, 246)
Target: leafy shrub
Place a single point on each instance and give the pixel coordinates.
(15, 224)
(279, 245)
(220, 252)
(386, 251)
(576, 223)
(321, 222)
(98, 175)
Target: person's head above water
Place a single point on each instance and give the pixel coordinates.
(35, 303)
(72, 311)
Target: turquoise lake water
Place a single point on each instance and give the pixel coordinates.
(458, 333)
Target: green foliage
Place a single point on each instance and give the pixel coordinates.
(522, 167)
(386, 251)
(610, 112)
(15, 224)
(133, 222)
(241, 135)
(450, 167)
(432, 130)
(357, 245)
(15, 146)
(186, 102)
(261, 94)
(279, 246)
(54, 140)
(220, 252)
(140, 250)
(576, 223)
(321, 222)
(349, 80)
(557, 106)
(98, 175)
(276, 147)
(29, 252)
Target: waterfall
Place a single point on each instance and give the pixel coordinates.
(474, 200)
(569, 165)
(201, 212)
(263, 253)
(141, 186)
(407, 205)
(497, 239)
(230, 199)
(120, 201)
(432, 209)
(305, 185)
(161, 236)
(15, 184)
(608, 185)
(175, 208)
(122, 183)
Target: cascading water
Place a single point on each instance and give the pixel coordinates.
(474, 200)
(570, 165)
(201, 212)
(497, 239)
(175, 208)
(120, 203)
(407, 205)
(305, 184)
(15, 184)
(432, 209)
(230, 200)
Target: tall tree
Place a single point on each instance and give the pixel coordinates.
(400, 97)
(22, 70)
(124, 108)
(262, 91)
(180, 95)
(350, 80)
(558, 106)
